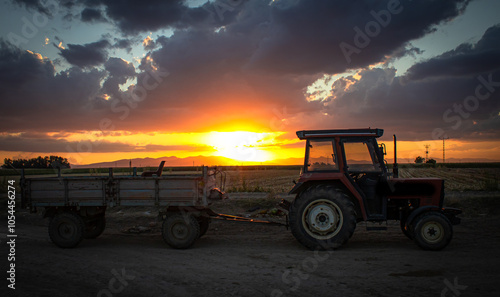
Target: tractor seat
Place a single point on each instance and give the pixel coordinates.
(157, 172)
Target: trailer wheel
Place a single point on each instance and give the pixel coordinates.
(322, 217)
(66, 229)
(204, 224)
(180, 230)
(433, 231)
(95, 228)
(407, 229)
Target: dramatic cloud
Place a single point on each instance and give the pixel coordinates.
(466, 59)
(92, 15)
(255, 69)
(119, 72)
(33, 4)
(140, 16)
(416, 110)
(18, 67)
(42, 143)
(38, 98)
(90, 54)
(332, 36)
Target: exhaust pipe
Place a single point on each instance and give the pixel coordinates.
(395, 169)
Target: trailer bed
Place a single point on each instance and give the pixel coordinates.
(110, 191)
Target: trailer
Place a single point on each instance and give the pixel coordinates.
(76, 205)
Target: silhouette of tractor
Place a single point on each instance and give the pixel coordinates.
(345, 181)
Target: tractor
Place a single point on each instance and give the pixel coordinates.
(345, 180)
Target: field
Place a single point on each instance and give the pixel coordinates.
(280, 180)
(131, 259)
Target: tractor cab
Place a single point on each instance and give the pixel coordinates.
(352, 157)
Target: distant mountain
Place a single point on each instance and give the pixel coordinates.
(175, 161)
(223, 161)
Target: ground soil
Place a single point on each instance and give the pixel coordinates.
(241, 259)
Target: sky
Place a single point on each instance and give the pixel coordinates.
(103, 80)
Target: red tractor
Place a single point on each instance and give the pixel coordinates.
(345, 181)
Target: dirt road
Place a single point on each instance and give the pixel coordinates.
(251, 260)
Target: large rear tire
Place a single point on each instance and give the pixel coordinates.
(433, 231)
(322, 217)
(180, 231)
(66, 229)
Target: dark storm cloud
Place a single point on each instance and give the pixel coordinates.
(47, 144)
(307, 37)
(119, 72)
(466, 59)
(92, 15)
(119, 67)
(18, 67)
(254, 69)
(90, 54)
(416, 109)
(125, 44)
(35, 97)
(140, 16)
(33, 4)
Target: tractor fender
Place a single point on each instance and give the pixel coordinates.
(296, 188)
(420, 211)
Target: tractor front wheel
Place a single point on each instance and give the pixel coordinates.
(322, 217)
(433, 231)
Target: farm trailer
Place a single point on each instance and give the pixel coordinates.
(77, 205)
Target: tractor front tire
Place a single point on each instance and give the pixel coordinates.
(180, 231)
(433, 231)
(66, 229)
(322, 218)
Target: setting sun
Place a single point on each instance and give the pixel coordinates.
(241, 145)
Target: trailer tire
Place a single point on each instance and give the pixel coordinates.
(322, 217)
(433, 231)
(204, 224)
(66, 229)
(180, 231)
(95, 227)
(407, 229)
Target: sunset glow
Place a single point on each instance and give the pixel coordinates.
(241, 145)
(195, 83)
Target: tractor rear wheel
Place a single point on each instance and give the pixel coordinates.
(180, 230)
(322, 217)
(433, 231)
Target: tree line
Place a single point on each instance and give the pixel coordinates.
(39, 162)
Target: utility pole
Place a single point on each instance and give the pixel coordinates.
(444, 138)
(427, 146)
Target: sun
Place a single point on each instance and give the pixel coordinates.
(240, 145)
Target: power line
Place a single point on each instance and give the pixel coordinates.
(444, 138)
(427, 146)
